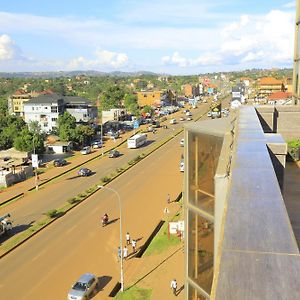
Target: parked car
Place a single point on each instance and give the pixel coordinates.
(86, 150)
(113, 153)
(189, 119)
(97, 144)
(173, 121)
(188, 113)
(181, 119)
(182, 142)
(84, 288)
(59, 162)
(84, 172)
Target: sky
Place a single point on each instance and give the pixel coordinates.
(179, 37)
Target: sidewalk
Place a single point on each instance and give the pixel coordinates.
(154, 272)
(75, 161)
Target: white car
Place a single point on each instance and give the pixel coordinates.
(86, 150)
(97, 144)
(173, 121)
(84, 288)
(189, 119)
(182, 142)
(189, 114)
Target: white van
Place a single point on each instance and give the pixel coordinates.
(86, 150)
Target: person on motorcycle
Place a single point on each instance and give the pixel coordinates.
(105, 219)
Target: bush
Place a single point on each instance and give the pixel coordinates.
(52, 213)
(294, 149)
(73, 200)
(105, 179)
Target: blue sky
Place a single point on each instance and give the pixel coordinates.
(176, 37)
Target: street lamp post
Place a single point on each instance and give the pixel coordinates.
(121, 244)
(101, 139)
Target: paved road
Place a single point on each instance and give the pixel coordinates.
(45, 266)
(34, 205)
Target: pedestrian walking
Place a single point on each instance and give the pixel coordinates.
(133, 244)
(174, 286)
(168, 199)
(119, 253)
(125, 252)
(127, 238)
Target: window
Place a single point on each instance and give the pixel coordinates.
(54, 109)
(32, 108)
(53, 119)
(45, 124)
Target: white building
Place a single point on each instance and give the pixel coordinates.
(44, 109)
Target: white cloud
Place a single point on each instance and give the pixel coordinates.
(103, 58)
(291, 4)
(180, 61)
(8, 48)
(263, 41)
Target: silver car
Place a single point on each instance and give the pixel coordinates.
(84, 288)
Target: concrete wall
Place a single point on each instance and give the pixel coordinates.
(283, 119)
(9, 178)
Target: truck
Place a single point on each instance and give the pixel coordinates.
(5, 224)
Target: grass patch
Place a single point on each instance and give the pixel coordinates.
(134, 293)
(162, 241)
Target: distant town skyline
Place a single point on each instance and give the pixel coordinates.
(174, 37)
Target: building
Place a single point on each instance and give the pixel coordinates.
(279, 98)
(296, 71)
(16, 102)
(45, 110)
(115, 114)
(154, 98)
(269, 85)
(190, 90)
(81, 108)
(239, 242)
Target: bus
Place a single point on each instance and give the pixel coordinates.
(136, 141)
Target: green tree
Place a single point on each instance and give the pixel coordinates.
(10, 128)
(84, 134)
(29, 141)
(112, 98)
(147, 109)
(66, 127)
(131, 104)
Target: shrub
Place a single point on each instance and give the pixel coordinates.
(52, 213)
(73, 200)
(105, 179)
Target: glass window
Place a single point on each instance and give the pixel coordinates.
(200, 250)
(298, 41)
(203, 156)
(54, 109)
(194, 295)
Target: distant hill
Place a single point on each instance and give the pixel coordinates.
(73, 73)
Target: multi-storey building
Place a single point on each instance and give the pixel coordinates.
(190, 90)
(269, 85)
(82, 109)
(45, 109)
(154, 98)
(16, 102)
